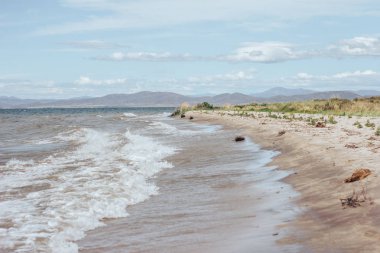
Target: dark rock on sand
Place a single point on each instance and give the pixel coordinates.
(239, 138)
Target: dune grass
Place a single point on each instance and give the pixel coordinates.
(332, 107)
(335, 106)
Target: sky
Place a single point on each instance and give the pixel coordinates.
(77, 48)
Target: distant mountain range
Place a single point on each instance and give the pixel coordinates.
(280, 91)
(169, 99)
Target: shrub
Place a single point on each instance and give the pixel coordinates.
(332, 120)
(370, 124)
(377, 133)
(204, 106)
(358, 124)
(313, 122)
(274, 116)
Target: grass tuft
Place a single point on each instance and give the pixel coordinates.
(377, 133)
(370, 124)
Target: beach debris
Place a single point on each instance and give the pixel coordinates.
(191, 118)
(351, 145)
(358, 174)
(355, 198)
(275, 234)
(320, 124)
(183, 116)
(282, 132)
(239, 138)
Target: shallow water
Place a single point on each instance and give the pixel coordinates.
(134, 180)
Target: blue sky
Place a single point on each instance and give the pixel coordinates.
(74, 48)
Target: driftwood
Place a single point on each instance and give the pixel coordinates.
(358, 174)
(351, 146)
(320, 124)
(355, 199)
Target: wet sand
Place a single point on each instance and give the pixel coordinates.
(218, 197)
(321, 159)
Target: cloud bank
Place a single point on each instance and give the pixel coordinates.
(264, 52)
(357, 46)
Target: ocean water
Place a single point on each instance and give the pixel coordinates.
(134, 180)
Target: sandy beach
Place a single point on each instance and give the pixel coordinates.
(320, 159)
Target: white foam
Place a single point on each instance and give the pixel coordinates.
(98, 180)
(164, 114)
(44, 142)
(129, 114)
(170, 129)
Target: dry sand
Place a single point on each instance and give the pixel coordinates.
(321, 160)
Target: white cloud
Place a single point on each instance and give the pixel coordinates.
(30, 88)
(358, 46)
(236, 76)
(14, 82)
(358, 73)
(145, 56)
(343, 80)
(262, 52)
(266, 52)
(116, 14)
(84, 80)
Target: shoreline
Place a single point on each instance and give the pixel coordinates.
(321, 161)
(219, 196)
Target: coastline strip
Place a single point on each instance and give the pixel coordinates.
(321, 161)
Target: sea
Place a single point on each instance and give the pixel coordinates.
(136, 180)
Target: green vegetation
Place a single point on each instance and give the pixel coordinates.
(358, 124)
(369, 124)
(331, 107)
(274, 116)
(332, 120)
(184, 107)
(377, 133)
(335, 106)
(203, 106)
(312, 121)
